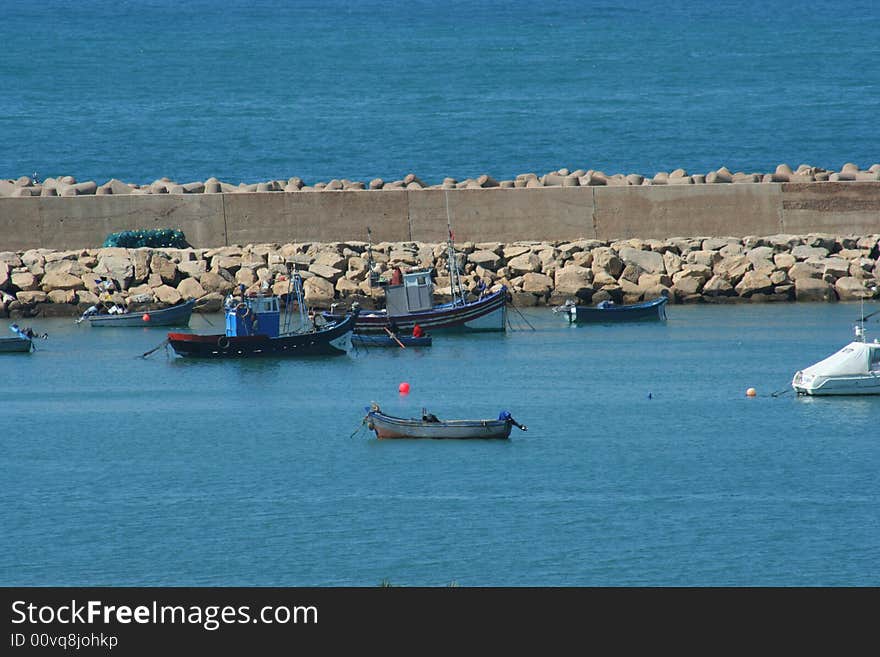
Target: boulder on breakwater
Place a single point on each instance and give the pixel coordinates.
(813, 267)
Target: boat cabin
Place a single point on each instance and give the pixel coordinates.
(254, 315)
(415, 294)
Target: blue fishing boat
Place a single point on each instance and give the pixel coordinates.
(257, 327)
(608, 311)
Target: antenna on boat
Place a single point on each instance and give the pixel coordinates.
(372, 276)
(454, 276)
(860, 325)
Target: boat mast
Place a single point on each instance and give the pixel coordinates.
(372, 276)
(454, 276)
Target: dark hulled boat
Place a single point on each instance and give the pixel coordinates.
(254, 328)
(429, 426)
(608, 311)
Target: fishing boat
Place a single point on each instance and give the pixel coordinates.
(178, 315)
(608, 311)
(410, 300)
(394, 340)
(853, 370)
(21, 343)
(429, 426)
(256, 327)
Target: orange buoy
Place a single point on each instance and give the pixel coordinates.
(403, 388)
(751, 392)
(146, 317)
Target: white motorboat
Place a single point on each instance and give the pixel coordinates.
(854, 370)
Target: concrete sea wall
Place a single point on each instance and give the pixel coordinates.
(553, 211)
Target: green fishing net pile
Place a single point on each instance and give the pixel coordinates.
(133, 239)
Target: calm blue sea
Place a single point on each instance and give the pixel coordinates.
(250, 90)
(644, 464)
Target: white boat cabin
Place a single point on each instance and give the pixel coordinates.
(415, 294)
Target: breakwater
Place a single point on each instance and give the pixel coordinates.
(65, 214)
(778, 267)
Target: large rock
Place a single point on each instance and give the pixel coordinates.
(574, 281)
(12, 259)
(632, 292)
(515, 250)
(649, 261)
(230, 263)
(606, 260)
(346, 287)
(73, 267)
(25, 281)
(62, 296)
(330, 273)
(689, 281)
(851, 289)
(487, 259)
(805, 270)
(166, 270)
(331, 259)
(190, 288)
(833, 268)
(214, 282)
(30, 297)
(193, 268)
(140, 259)
(672, 262)
(525, 263)
(210, 303)
(539, 284)
(117, 267)
(61, 281)
(167, 294)
(813, 289)
(754, 283)
(245, 276)
(5, 278)
(803, 252)
(784, 260)
(733, 268)
(718, 286)
(705, 258)
(319, 292)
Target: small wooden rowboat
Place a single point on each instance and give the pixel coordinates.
(429, 426)
(370, 340)
(608, 311)
(178, 315)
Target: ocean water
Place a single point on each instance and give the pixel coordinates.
(644, 463)
(251, 90)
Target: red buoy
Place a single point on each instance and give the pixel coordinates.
(403, 388)
(146, 317)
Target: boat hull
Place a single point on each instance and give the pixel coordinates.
(646, 311)
(388, 427)
(861, 384)
(331, 341)
(378, 340)
(486, 314)
(178, 315)
(15, 345)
